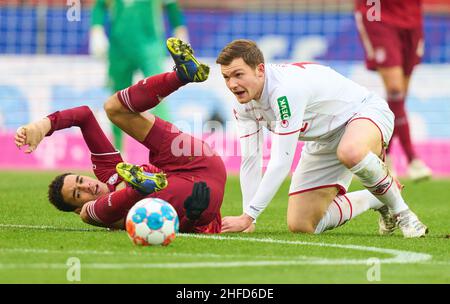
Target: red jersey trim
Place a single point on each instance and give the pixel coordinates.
(288, 133)
(376, 125)
(248, 135)
(340, 212)
(341, 189)
(350, 204)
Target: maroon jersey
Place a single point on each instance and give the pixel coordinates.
(182, 172)
(104, 167)
(198, 163)
(400, 13)
(184, 159)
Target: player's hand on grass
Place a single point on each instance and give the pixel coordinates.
(32, 134)
(250, 228)
(198, 201)
(242, 223)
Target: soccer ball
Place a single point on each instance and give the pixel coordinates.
(152, 221)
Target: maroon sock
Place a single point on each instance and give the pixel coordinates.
(401, 126)
(147, 93)
(82, 117)
(115, 206)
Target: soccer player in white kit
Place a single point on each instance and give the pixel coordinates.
(346, 129)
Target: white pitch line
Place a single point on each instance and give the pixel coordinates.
(135, 253)
(399, 256)
(37, 227)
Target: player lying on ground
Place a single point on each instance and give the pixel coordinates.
(196, 181)
(346, 129)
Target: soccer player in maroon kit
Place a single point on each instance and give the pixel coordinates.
(392, 37)
(196, 177)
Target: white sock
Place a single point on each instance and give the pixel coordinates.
(362, 201)
(345, 207)
(375, 177)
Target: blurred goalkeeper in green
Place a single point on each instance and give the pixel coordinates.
(136, 42)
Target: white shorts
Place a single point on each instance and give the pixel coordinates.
(319, 166)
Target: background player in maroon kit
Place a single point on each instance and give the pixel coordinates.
(196, 179)
(393, 41)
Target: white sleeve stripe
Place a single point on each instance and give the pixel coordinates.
(91, 212)
(109, 153)
(126, 97)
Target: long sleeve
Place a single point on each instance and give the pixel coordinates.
(98, 13)
(251, 165)
(176, 17)
(281, 158)
(251, 142)
(83, 118)
(104, 156)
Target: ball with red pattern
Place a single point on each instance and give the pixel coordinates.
(152, 221)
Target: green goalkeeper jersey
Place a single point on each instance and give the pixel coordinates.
(136, 22)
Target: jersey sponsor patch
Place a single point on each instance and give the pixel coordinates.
(113, 179)
(283, 105)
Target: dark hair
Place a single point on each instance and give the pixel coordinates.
(55, 196)
(241, 48)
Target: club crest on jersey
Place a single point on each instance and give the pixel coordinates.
(113, 179)
(283, 105)
(285, 123)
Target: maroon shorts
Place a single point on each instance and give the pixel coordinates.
(388, 46)
(186, 160)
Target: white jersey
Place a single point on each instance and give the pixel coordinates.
(310, 98)
(299, 101)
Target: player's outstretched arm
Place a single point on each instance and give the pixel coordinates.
(85, 217)
(82, 117)
(281, 157)
(32, 134)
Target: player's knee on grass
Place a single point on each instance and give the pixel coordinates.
(301, 226)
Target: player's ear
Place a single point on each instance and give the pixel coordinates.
(260, 68)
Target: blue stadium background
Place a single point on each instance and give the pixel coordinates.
(27, 30)
(211, 30)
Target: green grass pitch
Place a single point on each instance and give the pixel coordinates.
(37, 242)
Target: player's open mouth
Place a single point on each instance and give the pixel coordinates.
(239, 94)
(96, 190)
